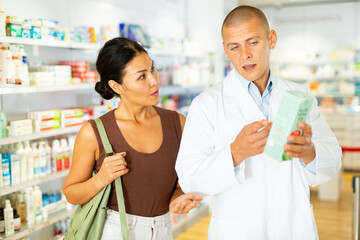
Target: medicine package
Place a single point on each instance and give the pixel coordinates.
(294, 108)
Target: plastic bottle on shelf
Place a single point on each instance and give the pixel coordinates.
(29, 203)
(37, 199)
(17, 221)
(17, 70)
(6, 66)
(30, 160)
(42, 158)
(24, 66)
(56, 156)
(9, 219)
(23, 162)
(36, 160)
(2, 22)
(3, 122)
(21, 207)
(48, 158)
(2, 221)
(66, 153)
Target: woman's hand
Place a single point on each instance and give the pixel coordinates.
(184, 203)
(113, 167)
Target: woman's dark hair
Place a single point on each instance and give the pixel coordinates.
(111, 62)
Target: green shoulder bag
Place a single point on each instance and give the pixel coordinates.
(88, 220)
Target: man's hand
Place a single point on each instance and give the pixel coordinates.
(302, 147)
(184, 203)
(250, 141)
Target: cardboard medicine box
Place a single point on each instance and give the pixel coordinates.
(294, 108)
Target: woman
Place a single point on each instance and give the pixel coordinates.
(145, 139)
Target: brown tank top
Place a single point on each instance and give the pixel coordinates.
(151, 180)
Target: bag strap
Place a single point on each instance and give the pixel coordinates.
(118, 185)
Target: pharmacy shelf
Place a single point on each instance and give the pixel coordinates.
(312, 62)
(49, 43)
(53, 218)
(33, 89)
(34, 136)
(190, 220)
(182, 90)
(33, 182)
(322, 79)
(337, 95)
(164, 53)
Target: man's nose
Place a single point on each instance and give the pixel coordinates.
(245, 54)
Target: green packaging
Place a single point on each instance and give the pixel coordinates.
(294, 108)
(3, 125)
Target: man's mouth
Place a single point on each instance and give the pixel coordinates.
(249, 67)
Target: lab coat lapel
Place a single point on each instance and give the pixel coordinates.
(241, 101)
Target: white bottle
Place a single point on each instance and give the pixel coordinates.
(37, 200)
(36, 160)
(66, 153)
(9, 219)
(42, 159)
(23, 162)
(24, 66)
(56, 156)
(17, 64)
(30, 160)
(6, 55)
(28, 197)
(2, 22)
(48, 158)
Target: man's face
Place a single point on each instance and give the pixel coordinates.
(247, 46)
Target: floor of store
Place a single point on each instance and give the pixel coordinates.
(334, 219)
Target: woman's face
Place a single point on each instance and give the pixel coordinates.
(141, 82)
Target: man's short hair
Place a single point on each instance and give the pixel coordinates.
(244, 13)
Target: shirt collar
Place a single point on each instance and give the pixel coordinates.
(247, 83)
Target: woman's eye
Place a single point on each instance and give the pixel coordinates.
(142, 76)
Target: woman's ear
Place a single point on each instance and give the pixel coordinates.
(116, 87)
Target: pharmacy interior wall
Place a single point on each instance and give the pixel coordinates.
(315, 28)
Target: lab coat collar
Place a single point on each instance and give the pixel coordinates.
(246, 83)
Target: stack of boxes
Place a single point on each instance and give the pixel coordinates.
(80, 72)
(50, 75)
(45, 120)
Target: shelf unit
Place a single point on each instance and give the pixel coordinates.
(52, 218)
(33, 182)
(45, 134)
(49, 43)
(312, 62)
(34, 89)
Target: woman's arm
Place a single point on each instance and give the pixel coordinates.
(181, 203)
(79, 186)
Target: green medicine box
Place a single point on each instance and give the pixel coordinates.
(294, 108)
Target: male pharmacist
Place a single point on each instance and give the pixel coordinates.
(221, 152)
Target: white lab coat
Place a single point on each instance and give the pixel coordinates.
(261, 199)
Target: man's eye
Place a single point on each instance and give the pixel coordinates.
(253, 43)
(234, 48)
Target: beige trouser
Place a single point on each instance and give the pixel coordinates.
(139, 228)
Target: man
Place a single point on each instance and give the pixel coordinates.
(221, 153)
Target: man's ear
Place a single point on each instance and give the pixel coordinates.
(116, 87)
(272, 37)
(225, 50)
